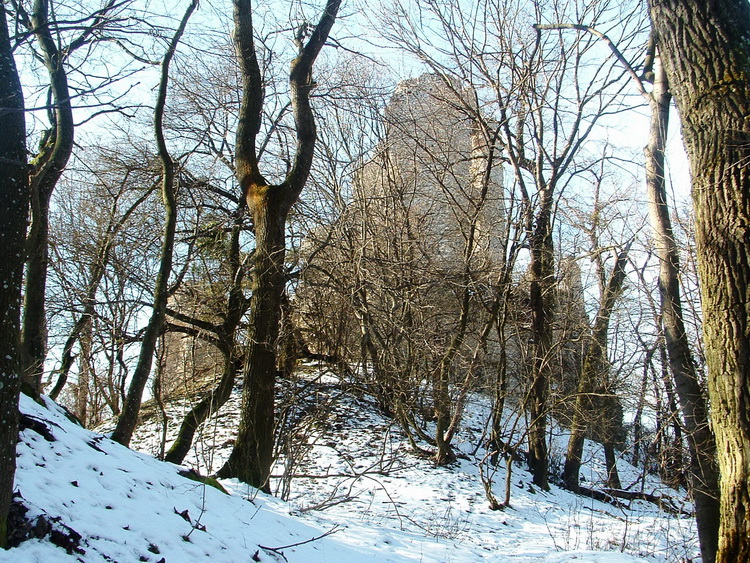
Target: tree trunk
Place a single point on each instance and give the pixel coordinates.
(441, 387)
(128, 419)
(84, 375)
(47, 167)
(610, 458)
(704, 477)
(14, 201)
(593, 381)
(252, 456)
(34, 333)
(638, 417)
(542, 305)
(706, 51)
(200, 412)
(671, 464)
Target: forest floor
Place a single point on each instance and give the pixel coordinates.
(348, 489)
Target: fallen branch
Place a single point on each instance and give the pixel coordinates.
(610, 496)
(664, 502)
(316, 538)
(600, 496)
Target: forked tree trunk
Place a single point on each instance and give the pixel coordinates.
(14, 203)
(705, 47)
(47, 167)
(46, 170)
(252, 456)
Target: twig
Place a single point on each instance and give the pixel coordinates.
(612, 47)
(316, 538)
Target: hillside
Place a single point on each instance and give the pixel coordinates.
(359, 494)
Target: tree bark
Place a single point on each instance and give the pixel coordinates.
(252, 455)
(541, 297)
(705, 47)
(704, 474)
(14, 202)
(47, 167)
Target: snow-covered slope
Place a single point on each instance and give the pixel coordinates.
(381, 502)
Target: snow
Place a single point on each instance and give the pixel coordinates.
(381, 502)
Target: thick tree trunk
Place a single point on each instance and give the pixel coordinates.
(14, 203)
(252, 456)
(704, 475)
(706, 51)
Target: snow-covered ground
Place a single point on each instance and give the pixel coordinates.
(356, 493)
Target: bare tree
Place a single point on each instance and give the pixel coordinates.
(251, 458)
(222, 335)
(99, 263)
(129, 416)
(57, 43)
(104, 240)
(594, 394)
(701, 442)
(545, 111)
